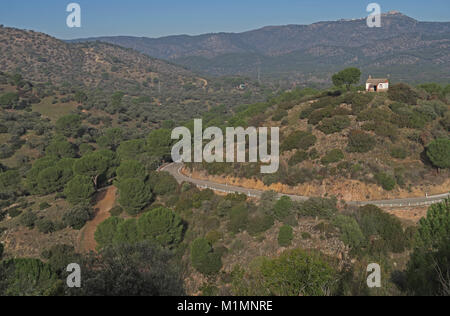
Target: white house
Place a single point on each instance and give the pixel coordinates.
(377, 85)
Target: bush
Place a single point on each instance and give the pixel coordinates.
(283, 208)
(260, 224)
(360, 142)
(28, 219)
(116, 211)
(298, 157)
(317, 207)
(45, 226)
(298, 140)
(238, 218)
(160, 225)
(386, 181)
(403, 93)
(134, 195)
(2, 249)
(203, 257)
(333, 156)
(384, 230)
(334, 125)
(439, 153)
(79, 190)
(44, 206)
(298, 272)
(285, 236)
(351, 233)
(77, 216)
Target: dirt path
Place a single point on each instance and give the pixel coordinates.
(105, 202)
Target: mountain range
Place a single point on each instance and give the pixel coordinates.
(403, 48)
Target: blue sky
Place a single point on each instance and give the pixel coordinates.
(153, 18)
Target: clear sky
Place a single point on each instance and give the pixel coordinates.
(155, 18)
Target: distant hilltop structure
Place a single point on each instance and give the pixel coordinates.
(377, 85)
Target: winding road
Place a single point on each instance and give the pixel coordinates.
(175, 170)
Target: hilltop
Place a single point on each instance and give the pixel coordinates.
(407, 49)
(148, 87)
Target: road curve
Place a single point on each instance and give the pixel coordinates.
(175, 170)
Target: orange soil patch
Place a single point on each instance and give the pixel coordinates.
(105, 202)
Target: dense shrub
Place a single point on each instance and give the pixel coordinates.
(77, 216)
(351, 233)
(298, 157)
(298, 140)
(296, 273)
(402, 93)
(238, 218)
(160, 225)
(283, 208)
(333, 156)
(285, 236)
(439, 153)
(360, 142)
(386, 181)
(203, 257)
(28, 219)
(384, 230)
(317, 207)
(334, 125)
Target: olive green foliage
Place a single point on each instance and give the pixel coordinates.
(69, 125)
(9, 181)
(134, 195)
(285, 236)
(398, 153)
(386, 181)
(131, 169)
(203, 257)
(2, 249)
(283, 208)
(333, 156)
(28, 219)
(360, 142)
(141, 269)
(77, 216)
(384, 230)
(294, 273)
(298, 140)
(317, 207)
(429, 267)
(161, 226)
(159, 144)
(28, 277)
(9, 100)
(298, 157)
(402, 93)
(439, 153)
(347, 77)
(334, 125)
(130, 150)
(351, 233)
(238, 218)
(61, 148)
(111, 138)
(79, 190)
(163, 183)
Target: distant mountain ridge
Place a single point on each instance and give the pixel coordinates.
(401, 47)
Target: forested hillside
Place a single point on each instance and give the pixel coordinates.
(352, 144)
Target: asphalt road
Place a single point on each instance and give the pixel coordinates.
(175, 170)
